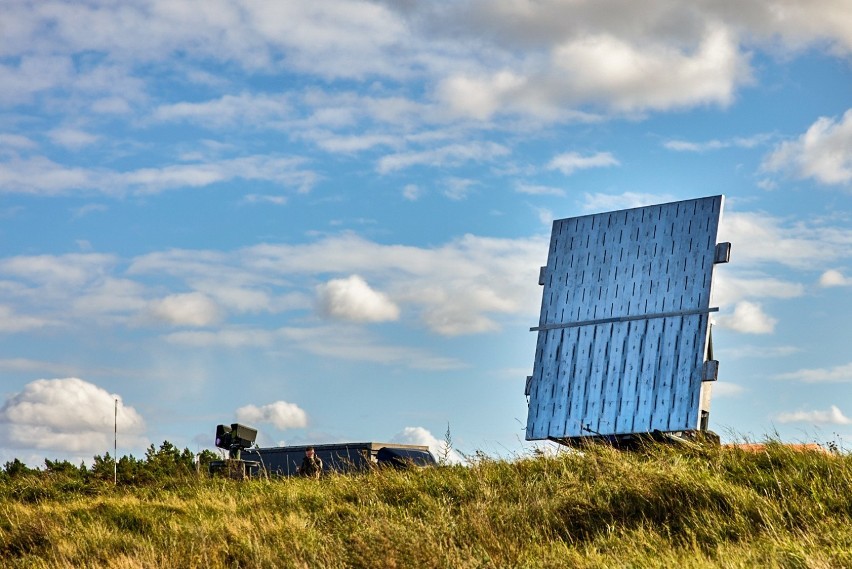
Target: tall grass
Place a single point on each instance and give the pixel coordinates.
(661, 507)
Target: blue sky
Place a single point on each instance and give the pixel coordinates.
(326, 220)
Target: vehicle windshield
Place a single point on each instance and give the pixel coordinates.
(404, 456)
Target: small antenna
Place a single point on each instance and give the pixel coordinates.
(115, 447)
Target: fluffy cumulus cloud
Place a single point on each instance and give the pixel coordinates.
(68, 415)
(747, 318)
(460, 287)
(823, 153)
(352, 299)
(833, 277)
(280, 414)
(421, 436)
(189, 309)
(832, 416)
(463, 286)
(598, 65)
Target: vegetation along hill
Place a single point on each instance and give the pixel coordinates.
(658, 507)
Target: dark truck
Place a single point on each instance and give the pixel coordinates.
(340, 457)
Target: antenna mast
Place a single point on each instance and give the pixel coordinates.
(115, 447)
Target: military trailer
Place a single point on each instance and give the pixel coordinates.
(341, 457)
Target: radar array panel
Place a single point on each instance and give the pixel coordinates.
(623, 335)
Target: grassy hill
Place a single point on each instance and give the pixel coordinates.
(662, 507)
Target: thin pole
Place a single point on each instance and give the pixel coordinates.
(115, 446)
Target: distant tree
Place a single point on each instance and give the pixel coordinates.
(103, 467)
(446, 450)
(169, 461)
(131, 470)
(204, 459)
(65, 468)
(16, 468)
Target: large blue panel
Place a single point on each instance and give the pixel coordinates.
(623, 331)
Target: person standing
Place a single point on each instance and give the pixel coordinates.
(311, 464)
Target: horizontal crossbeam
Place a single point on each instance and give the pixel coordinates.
(624, 319)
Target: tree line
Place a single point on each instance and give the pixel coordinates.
(158, 463)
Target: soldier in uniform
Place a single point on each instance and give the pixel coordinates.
(311, 464)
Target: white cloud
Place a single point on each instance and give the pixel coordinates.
(264, 198)
(16, 141)
(350, 344)
(833, 416)
(67, 415)
(479, 97)
(335, 38)
(349, 144)
(41, 176)
(85, 210)
(421, 436)
(12, 322)
(281, 414)
(595, 65)
(729, 288)
(463, 286)
(545, 216)
(459, 188)
(112, 105)
(72, 138)
(29, 366)
(537, 190)
(837, 374)
(227, 338)
(451, 155)
(727, 389)
(633, 77)
(543, 59)
(766, 352)
(411, 192)
(761, 238)
(282, 170)
(737, 142)
(608, 202)
(833, 277)
(188, 309)
(245, 109)
(747, 318)
(352, 299)
(33, 74)
(72, 270)
(457, 285)
(111, 296)
(823, 153)
(570, 162)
